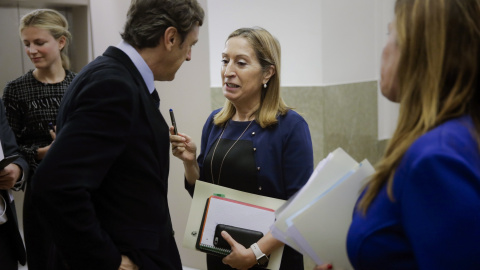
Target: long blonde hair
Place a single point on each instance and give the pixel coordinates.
(267, 50)
(439, 42)
(52, 21)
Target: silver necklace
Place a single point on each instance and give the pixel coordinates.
(215, 149)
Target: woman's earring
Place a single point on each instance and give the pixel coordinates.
(264, 85)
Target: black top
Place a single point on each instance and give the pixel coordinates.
(238, 169)
(30, 106)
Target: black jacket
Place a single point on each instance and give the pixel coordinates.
(103, 184)
(10, 147)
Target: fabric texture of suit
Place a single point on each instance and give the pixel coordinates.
(102, 187)
(11, 242)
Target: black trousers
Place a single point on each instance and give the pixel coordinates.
(8, 259)
(38, 244)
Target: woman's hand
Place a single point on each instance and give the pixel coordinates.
(326, 266)
(52, 130)
(183, 147)
(42, 151)
(241, 257)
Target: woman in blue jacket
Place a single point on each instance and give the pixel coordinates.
(255, 143)
(421, 209)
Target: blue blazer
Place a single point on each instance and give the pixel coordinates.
(102, 187)
(9, 146)
(434, 220)
(284, 154)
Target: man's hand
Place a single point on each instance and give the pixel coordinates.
(9, 176)
(127, 264)
(323, 267)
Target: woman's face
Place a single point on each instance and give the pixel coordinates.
(389, 66)
(242, 75)
(41, 47)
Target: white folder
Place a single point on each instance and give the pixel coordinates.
(320, 229)
(315, 221)
(328, 171)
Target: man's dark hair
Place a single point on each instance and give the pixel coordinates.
(147, 20)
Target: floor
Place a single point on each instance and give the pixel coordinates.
(26, 268)
(20, 267)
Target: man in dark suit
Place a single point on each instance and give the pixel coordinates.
(102, 187)
(12, 250)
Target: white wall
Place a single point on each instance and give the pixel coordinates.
(325, 42)
(107, 18)
(294, 23)
(347, 41)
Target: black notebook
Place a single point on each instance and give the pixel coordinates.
(243, 236)
(245, 222)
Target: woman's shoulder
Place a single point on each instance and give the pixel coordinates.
(212, 115)
(209, 122)
(214, 112)
(70, 74)
(291, 117)
(22, 80)
(452, 138)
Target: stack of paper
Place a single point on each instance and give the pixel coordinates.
(315, 221)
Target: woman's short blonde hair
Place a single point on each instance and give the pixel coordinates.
(268, 52)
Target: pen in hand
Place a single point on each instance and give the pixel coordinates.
(51, 130)
(174, 124)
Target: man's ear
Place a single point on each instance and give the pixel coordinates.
(170, 37)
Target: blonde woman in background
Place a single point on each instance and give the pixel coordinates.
(32, 102)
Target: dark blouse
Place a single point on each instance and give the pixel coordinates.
(30, 106)
(238, 170)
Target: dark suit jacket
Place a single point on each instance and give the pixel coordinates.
(102, 187)
(9, 146)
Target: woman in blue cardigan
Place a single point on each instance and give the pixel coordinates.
(255, 143)
(421, 210)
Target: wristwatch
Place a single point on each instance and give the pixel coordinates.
(262, 259)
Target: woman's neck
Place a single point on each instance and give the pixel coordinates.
(245, 114)
(54, 74)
